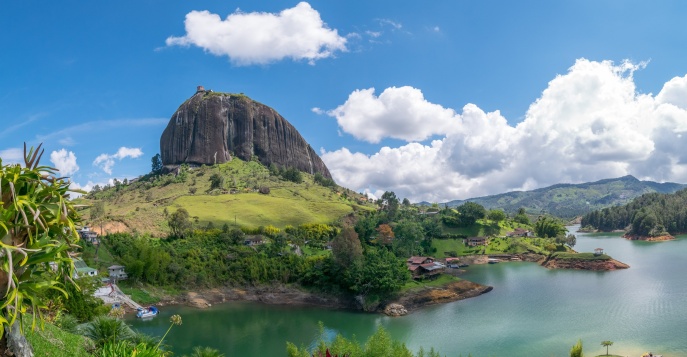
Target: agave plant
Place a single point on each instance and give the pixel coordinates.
(206, 352)
(103, 330)
(37, 230)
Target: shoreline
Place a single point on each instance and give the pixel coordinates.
(662, 238)
(297, 296)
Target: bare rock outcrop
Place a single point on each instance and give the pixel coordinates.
(209, 127)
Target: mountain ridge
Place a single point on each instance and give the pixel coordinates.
(569, 200)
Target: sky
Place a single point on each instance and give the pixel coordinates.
(434, 100)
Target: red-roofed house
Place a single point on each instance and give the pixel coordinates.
(423, 267)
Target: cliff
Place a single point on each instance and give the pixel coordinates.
(209, 127)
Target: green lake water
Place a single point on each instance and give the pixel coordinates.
(532, 311)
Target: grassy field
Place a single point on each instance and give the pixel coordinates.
(144, 206)
(438, 282)
(54, 342)
(497, 245)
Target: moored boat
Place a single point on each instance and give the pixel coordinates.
(144, 312)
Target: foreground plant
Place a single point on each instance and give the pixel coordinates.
(37, 230)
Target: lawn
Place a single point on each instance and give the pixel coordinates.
(582, 256)
(438, 282)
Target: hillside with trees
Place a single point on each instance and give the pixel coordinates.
(573, 200)
(649, 215)
(238, 193)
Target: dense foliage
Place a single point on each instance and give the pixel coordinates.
(651, 214)
(37, 228)
(380, 344)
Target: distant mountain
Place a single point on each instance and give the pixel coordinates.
(572, 200)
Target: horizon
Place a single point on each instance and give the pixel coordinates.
(436, 102)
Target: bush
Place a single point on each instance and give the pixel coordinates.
(264, 190)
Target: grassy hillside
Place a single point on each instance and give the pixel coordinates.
(572, 200)
(143, 206)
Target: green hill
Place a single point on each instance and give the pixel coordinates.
(573, 200)
(144, 204)
(649, 215)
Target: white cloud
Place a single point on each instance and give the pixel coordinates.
(588, 124)
(317, 111)
(106, 161)
(401, 113)
(260, 38)
(64, 161)
(12, 156)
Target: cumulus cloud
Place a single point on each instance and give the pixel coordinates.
(588, 124)
(260, 38)
(107, 161)
(401, 113)
(65, 161)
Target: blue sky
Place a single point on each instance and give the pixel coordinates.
(434, 100)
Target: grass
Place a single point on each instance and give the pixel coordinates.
(435, 283)
(582, 256)
(143, 206)
(138, 294)
(54, 342)
(497, 245)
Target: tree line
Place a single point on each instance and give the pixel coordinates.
(651, 214)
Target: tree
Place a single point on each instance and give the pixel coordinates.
(179, 223)
(548, 227)
(409, 236)
(37, 226)
(496, 215)
(216, 181)
(606, 344)
(470, 212)
(576, 350)
(389, 203)
(156, 164)
(406, 202)
(521, 217)
(346, 248)
(385, 234)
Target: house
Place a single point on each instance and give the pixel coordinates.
(424, 267)
(253, 241)
(598, 251)
(475, 241)
(117, 272)
(81, 269)
(520, 232)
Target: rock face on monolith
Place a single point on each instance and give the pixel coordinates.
(209, 127)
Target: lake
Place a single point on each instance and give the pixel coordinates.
(532, 311)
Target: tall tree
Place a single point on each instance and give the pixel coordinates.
(346, 248)
(156, 164)
(385, 235)
(179, 223)
(37, 226)
(606, 344)
(576, 350)
(470, 212)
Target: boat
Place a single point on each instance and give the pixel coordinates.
(493, 261)
(144, 312)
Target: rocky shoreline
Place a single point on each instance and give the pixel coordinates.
(582, 264)
(661, 238)
(295, 296)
